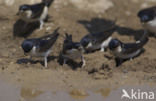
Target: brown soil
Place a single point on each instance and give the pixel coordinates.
(100, 71)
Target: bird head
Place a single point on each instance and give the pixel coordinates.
(27, 46)
(146, 15)
(23, 8)
(85, 41)
(114, 43)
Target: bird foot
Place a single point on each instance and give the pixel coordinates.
(102, 50)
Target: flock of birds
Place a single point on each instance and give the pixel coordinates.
(42, 47)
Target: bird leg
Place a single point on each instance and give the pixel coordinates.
(131, 59)
(64, 61)
(41, 24)
(30, 58)
(118, 62)
(102, 49)
(45, 62)
(83, 61)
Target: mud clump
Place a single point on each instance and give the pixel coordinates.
(104, 72)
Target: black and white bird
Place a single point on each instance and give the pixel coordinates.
(95, 41)
(123, 51)
(40, 47)
(148, 19)
(35, 12)
(72, 50)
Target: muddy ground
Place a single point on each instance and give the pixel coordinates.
(78, 19)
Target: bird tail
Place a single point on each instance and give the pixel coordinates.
(143, 40)
(110, 30)
(48, 2)
(55, 34)
(112, 27)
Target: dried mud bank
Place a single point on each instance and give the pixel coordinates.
(78, 18)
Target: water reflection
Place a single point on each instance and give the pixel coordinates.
(104, 92)
(78, 94)
(28, 93)
(12, 92)
(9, 92)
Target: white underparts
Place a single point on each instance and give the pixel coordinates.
(101, 46)
(44, 14)
(73, 54)
(89, 45)
(118, 53)
(34, 53)
(105, 44)
(151, 26)
(27, 15)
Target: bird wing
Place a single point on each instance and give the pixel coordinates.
(151, 9)
(97, 38)
(70, 46)
(85, 40)
(101, 36)
(132, 47)
(37, 10)
(48, 2)
(48, 41)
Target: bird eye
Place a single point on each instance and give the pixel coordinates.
(27, 46)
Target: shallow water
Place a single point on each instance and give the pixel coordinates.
(10, 92)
